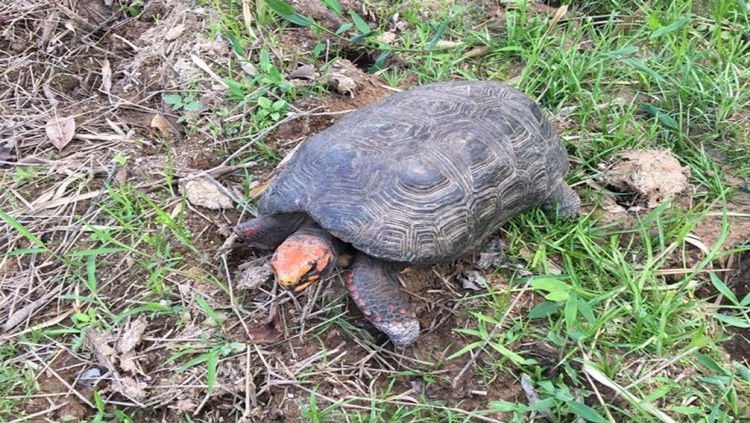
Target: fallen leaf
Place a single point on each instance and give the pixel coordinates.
(60, 131)
(476, 52)
(160, 123)
(121, 175)
(447, 44)
(249, 68)
(264, 334)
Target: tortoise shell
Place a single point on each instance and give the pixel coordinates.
(425, 175)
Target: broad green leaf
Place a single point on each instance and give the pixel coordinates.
(211, 369)
(264, 102)
(557, 296)
(343, 28)
(585, 412)
(97, 251)
(439, 34)
(733, 320)
(333, 5)
(662, 117)
(173, 99)
(723, 288)
(360, 37)
(208, 310)
(91, 275)
(679, 23)
(22, 229)
(549, 284)
(505, 406)
(193, 106)
(24, 251)
(585, 309)
(359, 22)
(288, 12)
(643, 68)
(379, 62)
(516, 358)
(710, 363)
(571, 310)
(465, 349)
(543, 310)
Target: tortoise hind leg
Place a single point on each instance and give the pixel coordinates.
(376, 292)
(563, 201)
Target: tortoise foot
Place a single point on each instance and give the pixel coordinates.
(376, 292)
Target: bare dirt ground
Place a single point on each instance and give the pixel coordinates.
(83, 83)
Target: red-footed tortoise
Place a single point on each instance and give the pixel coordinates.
(420, 177)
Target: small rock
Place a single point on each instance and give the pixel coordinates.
(206, 192)
(175, 32)
(303, 72)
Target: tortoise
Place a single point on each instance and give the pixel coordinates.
(421, 177)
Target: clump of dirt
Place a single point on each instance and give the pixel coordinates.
(646, 177)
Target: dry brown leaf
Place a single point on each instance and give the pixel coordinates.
(60, 131)
(560, 13)
(476, 52)
(161, 124)
(447, 44)
(264, 334)
(121, 175)
(258, 190)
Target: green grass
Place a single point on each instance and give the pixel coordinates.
(620, 303)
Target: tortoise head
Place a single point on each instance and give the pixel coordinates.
(302, 259)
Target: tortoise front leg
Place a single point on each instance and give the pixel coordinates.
(376, 292)
(268, 232)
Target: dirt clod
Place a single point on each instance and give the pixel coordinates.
(648, 177)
